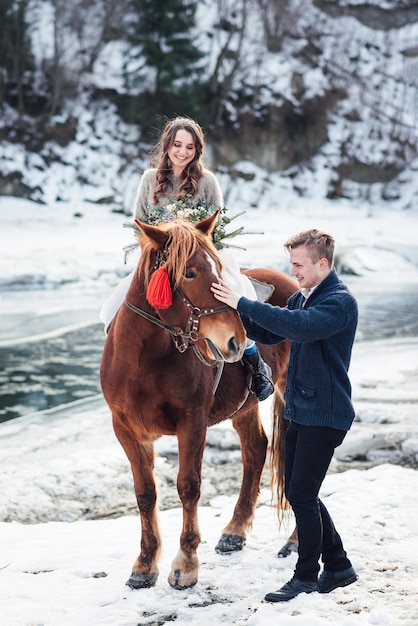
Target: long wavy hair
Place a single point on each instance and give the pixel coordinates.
(192, 172)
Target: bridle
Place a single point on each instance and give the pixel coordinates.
(190, 335)
(184, 339)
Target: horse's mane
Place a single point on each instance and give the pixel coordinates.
(183, 241)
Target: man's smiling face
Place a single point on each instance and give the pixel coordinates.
(307, 273)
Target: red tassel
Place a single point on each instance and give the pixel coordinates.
(159, 293)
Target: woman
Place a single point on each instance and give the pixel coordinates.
(179, 172)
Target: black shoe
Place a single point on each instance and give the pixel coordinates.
(328, 581)
(262, 383)
(292, 589)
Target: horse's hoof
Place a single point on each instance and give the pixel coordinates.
(287, 549)
(141, 581)
(179, 580)
(230, 543)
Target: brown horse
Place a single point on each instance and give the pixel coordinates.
(176, 371)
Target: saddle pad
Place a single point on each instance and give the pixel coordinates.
(263, 290)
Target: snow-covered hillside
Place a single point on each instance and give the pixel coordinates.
(324, 102)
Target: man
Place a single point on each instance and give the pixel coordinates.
(320, 321)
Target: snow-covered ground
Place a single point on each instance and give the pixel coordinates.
(62, 466)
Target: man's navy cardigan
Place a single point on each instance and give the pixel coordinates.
(318, 390)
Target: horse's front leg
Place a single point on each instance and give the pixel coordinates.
(185, 566)
(253, 439)
(141, 457)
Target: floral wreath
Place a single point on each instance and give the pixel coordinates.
(185, 208)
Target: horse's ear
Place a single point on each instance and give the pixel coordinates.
(158, 237)
(208, 224)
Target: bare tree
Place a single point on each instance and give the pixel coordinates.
(15, 51)
(56, 69)
(280, 19)
(231, 29)
(80, 31)
(96, 23)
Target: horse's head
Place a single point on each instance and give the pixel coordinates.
(178, 265)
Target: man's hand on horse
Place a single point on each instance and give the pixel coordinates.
(225, 294)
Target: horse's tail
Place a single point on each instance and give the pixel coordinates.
(279, 426)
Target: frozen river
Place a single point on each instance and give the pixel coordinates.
(53, 359)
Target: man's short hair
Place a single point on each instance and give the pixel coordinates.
(319, 243)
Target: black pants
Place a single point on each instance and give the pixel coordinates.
(308, 453)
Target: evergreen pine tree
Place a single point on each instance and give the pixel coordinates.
(163, 59)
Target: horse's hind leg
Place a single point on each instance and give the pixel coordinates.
(290, 546)
(248, 425)
(141, 456)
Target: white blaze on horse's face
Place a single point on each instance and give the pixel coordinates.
(219, 330)
(212, 263)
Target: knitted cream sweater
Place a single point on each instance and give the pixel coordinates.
(208, 190)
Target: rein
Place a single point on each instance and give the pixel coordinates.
(190, 335)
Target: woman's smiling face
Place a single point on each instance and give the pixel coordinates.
(182, 151)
